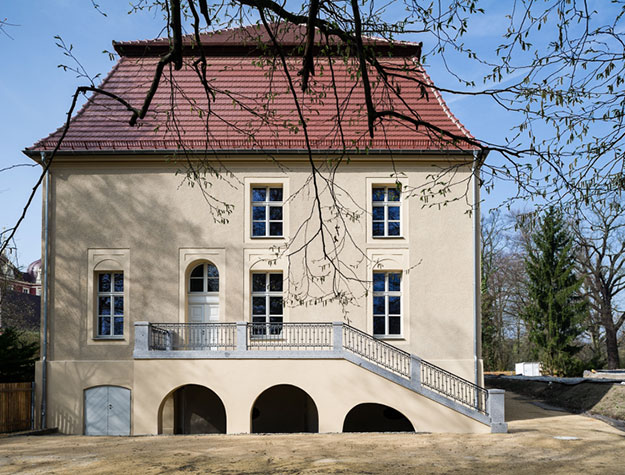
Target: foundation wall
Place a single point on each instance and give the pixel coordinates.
(335, 386)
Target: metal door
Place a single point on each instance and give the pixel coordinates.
(107, 411)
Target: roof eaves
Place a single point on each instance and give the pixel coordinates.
(35, 153)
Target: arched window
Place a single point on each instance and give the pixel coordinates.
(204, 278)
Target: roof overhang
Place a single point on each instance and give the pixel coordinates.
(246, 154)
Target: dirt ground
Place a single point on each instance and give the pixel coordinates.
(597, 398)
(539, 441)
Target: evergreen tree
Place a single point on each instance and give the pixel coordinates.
(489, 330)
(556, 310)
(17, 357)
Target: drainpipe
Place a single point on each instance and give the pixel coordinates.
(44, 287)
(476, 266)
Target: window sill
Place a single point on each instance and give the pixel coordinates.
(109, 338)
(267, 237)
(387, 237)
(390, 337)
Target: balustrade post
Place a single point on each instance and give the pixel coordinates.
(142, 335)
(337, 336)
(241, 336)
(168, 341)
(496, 411)
(415, 371)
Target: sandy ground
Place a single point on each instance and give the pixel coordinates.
(539, 441)
(598, 398)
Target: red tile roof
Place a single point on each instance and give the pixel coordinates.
(251, 107)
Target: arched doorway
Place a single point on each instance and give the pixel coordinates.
(371, 417)
(192, 409)
(284, 409)
(203, 293)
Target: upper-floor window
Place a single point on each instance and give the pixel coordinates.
(267, 303)
(204, 278)
(387, 303)
(267, 212)
(110, 304)
(386, 208)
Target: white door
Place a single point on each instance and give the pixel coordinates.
(107, 411)
(203, 309)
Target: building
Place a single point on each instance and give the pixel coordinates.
(175, 308)
(28, 282)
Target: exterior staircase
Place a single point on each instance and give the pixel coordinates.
(242, 340)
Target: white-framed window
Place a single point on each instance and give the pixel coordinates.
(110, 304)
(204, 278)
(387, 304)
(386, 211)
(267, 211)
(25, 290)
(267, 303)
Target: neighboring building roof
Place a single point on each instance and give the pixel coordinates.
(34, 271)
(252, 107)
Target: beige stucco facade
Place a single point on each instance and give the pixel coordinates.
(136, 215)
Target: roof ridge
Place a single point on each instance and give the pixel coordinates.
(246, 39)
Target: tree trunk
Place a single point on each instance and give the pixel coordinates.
(610, 339)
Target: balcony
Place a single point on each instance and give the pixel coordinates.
(265, 340)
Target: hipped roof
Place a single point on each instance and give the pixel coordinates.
(250, 106)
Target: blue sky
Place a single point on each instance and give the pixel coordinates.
(35, 93)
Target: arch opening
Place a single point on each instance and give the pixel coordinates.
(372, 417)
(284, 409)
(192, 409)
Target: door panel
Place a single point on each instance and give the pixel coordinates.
(96, 403)
(118, 411)
(212, 311)
(196, 313)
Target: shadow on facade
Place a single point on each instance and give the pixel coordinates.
(192, 409)
(371, 417)
(284, 409)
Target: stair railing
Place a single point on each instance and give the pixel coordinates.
(376, 351)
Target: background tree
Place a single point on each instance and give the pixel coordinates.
(504, 333)
(17, 356)
(600, 235)
(556, 309)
